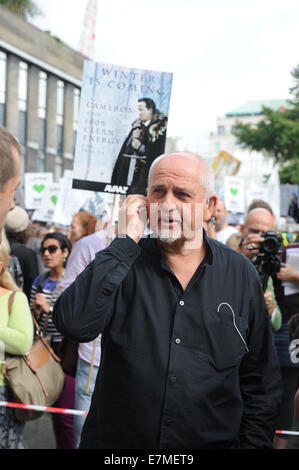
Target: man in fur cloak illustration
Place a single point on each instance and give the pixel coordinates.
(145, 142)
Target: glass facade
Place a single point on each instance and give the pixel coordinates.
(3, 58)
(46, 153)
(42, 105)
(76, 114)
(59, 116)
(22, 101)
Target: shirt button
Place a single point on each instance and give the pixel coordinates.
(173, 380)
(182, 302)
(177, 340)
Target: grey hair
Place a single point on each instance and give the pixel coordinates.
(206, 178)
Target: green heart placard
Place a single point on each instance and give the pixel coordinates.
(54, 199)
(38, 187)
(234, 191)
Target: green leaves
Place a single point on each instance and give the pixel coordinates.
(24, 8)
(277, 135)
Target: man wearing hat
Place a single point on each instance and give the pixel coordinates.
(16, 225)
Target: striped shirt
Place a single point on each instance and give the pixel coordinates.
(48, 290)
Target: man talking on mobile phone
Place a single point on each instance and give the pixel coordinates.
(187, 350)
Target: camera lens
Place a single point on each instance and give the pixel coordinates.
(270, 244)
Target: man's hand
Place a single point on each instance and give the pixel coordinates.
(251, 245)
(133, 216)
(269, 302)
(287, 273)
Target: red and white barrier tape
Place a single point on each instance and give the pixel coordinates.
(51, 409)
(292, 433)
(48, 409)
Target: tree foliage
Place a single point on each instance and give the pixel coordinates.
(24, 8)
(277, 135)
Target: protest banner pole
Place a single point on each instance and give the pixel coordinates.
(95, 340)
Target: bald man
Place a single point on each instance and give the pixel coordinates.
(258, 221)
(187, 355)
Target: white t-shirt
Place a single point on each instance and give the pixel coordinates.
(225, 233)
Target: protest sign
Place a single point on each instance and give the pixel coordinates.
(234, 194)
(122, 127)
(35, 187)
(49, 201)
(71, 200)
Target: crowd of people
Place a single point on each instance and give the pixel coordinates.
(166, 345)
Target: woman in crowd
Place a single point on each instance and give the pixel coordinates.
(16, 337)
(55, 249)
(83, 224)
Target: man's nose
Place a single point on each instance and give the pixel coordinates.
(169, 202)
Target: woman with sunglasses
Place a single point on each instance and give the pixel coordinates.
(55, 250)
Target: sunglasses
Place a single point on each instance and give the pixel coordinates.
(51, 249)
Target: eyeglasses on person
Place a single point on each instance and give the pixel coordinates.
(51, 249)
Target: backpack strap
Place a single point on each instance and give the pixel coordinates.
(41, 280)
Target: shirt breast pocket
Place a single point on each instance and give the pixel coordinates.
(224, 338)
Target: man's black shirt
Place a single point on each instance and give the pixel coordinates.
(192, 368)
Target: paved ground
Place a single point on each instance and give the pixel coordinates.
(38, 434)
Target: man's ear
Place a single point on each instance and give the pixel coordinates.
(210, 206)
(242, 228)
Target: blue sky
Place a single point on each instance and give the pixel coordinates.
(222, 52)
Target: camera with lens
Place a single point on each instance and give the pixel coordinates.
(268, 260)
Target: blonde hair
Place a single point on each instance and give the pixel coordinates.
(6, 279)
(234, 240)
(7, 163)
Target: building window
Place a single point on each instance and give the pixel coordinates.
(3, 58)
(58, 169)
(221, 130)
(76, 114)
(42, 95)
(22, 101)
(42, 103)
(59, 116)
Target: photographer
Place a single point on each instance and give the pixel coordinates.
(259, 221)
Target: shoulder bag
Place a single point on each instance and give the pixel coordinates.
(36, 378)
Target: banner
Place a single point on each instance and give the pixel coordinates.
(234, 194)
(35, 187)
(122, 127)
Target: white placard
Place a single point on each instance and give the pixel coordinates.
(50, 199)
(261, 193)
(35, 187)
(71, 200)
(234, 194)
(292, 259)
